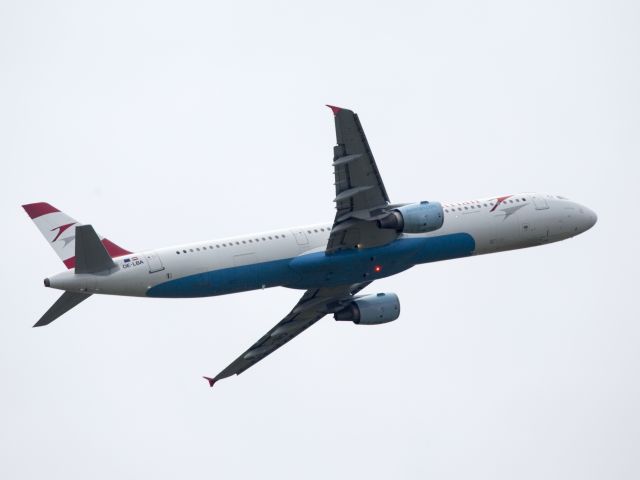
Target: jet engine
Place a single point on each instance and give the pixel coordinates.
(371, 309)
(414, 218)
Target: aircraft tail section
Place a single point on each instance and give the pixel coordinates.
(61, 230)
(66, 302)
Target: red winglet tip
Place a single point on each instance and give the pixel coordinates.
(210, 380)
(334, 109)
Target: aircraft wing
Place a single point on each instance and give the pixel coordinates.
(314, 304)
(360, 193)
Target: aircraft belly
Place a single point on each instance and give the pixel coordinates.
(226, 280)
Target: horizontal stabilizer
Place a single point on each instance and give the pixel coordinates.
(91, 256)
(66, 302)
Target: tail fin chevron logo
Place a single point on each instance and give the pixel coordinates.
(61, 230)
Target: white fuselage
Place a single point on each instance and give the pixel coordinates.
(295, 257)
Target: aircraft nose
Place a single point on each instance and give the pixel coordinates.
(594, 218)
(589, 218)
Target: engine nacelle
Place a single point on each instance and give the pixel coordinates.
(415, 218)
(371, 309)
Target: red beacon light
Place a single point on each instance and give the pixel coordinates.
(377, 268)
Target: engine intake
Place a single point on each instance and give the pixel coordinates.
(415, 218)
(371, 309)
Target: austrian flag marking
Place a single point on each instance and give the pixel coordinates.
(131, 262)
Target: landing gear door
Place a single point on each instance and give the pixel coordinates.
(154, 262)
(540, 203)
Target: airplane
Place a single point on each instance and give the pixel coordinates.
(370, 238)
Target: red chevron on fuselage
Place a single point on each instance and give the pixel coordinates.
(499, 200)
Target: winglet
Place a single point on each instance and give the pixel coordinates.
(334, 109)
(210, 380)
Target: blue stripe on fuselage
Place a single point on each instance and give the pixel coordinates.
(320, 270)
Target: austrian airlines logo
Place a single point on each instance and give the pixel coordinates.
(499, 200)
(61, 230)
(509, 210)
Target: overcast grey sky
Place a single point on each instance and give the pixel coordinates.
(163, 123)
